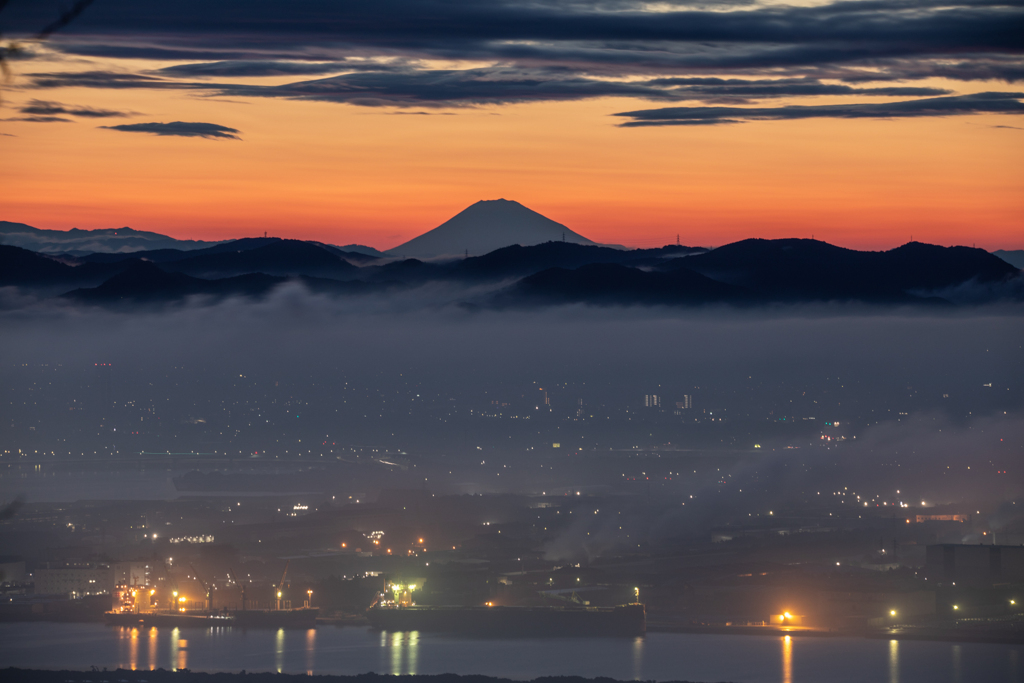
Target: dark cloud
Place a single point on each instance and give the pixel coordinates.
(455, 28)
(981, 103)
(181, 129)
(949, 27)
(981, 68)
(545, 49)
(449, 88)
(49, 109)
(103, 79)
(721, 88)
(40, 119)
(489, 85)
(249, 68)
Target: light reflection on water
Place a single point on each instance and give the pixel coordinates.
(638, 659)
(153, 639)
(310, 651)
(787, 659)
(894, 661)
(658, 656)
(403, 648)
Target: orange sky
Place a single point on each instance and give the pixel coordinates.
(341, 173)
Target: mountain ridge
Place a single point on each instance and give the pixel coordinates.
(745, 273)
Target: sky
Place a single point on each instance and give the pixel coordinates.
(865, 123)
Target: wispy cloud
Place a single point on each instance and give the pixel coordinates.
(40, 119)
(981, 103)
(183, 129)
(51, 109)
(247, 68)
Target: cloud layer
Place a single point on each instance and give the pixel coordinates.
(385, 53)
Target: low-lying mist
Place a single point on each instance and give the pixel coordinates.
(746, 411)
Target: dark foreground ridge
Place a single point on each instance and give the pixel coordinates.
(748, 273)
(12, 675)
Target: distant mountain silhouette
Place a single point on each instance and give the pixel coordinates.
(749, 272)
(280, 257)
(519, 261)
(361, 249)
(21, 267)
(484, 227)
(232, 247)
(146, 283)
(802, 269)
(1015, 258)
(614, 284)
(78, 242)
(169, 255)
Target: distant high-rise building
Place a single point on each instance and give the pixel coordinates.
(652, 401)
(686, 403)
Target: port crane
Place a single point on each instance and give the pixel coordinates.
(172, 602)
(208, 587)
(240, 585)
(280, 586)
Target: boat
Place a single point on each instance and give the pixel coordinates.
(279, 618)
(623, 620)
(168, 619)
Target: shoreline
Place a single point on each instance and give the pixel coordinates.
(16, 675)
(938, 634)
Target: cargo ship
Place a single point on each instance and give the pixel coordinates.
(168, 619)
(623, 620)
(282, 618)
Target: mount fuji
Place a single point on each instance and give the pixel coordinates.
(485, 226)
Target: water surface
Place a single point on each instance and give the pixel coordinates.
(658, 656)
